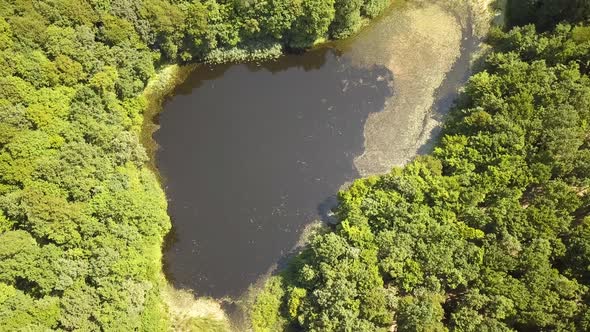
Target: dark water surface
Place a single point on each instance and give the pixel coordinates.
(251, 154)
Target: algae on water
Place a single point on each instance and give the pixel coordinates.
(420, 43)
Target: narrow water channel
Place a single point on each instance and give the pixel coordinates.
(250, 154)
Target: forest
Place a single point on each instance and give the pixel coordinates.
(82, 216)
(490, 232)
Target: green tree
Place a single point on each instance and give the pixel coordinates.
(347, 18)
(312, 23)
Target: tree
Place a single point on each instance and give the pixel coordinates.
(347, 18)
(312, 24)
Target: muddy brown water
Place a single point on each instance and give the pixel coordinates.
(251, 154)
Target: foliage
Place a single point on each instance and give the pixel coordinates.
(82, 219)
(264, 53)
(489, 232)
(265, 311)
(372, 8)
(347, 17)
(350, 14)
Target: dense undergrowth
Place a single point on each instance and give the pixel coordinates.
(82, 218)
(491, 232)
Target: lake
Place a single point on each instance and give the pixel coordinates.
(251, 154)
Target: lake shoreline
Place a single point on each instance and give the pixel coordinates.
(157, 91)
(182, 306)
